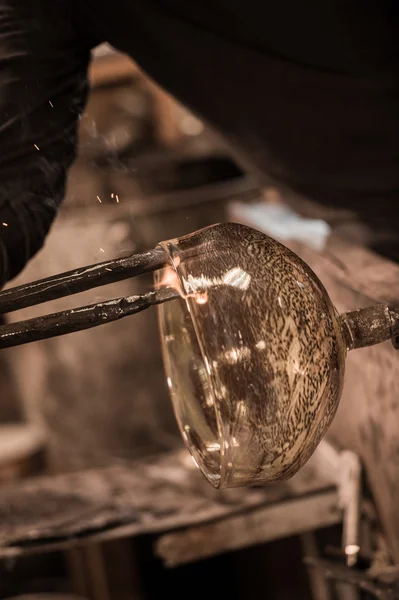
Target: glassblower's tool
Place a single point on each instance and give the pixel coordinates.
(254, 350)
(73, 282)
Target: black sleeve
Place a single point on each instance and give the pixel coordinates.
(306, 92)
(43, 64)
(309, 101)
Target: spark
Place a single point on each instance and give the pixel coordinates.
(5, 224)
(51, 104)
(102, 249)
(99, 199)
(112, 195)
(117, 198)
(36, 146)
(106, 268)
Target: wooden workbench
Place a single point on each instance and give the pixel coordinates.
(166, 496)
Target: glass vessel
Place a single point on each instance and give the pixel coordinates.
(254, 353)
(253, 348)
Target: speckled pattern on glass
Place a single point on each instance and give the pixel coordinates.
(253, 352)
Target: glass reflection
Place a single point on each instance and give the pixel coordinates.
(254, 352)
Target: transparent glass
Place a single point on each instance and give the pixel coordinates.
(254, 354)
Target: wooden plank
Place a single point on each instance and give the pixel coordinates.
(21, 451)
(319, 584)
(156, 495)
(273, 522)
(110, 68)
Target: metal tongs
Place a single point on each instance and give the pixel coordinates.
(74, 282)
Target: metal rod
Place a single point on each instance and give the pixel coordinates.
(369, 326)
(77, 319)
(80, 280)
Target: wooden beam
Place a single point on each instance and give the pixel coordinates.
(273, 522)
(112, 69)
(156, 495)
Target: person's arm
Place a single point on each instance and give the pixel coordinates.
(43, 86)
(306, 93)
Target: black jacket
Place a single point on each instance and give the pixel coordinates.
(307, 92)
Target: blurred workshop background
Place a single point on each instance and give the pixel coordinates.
(96, 401)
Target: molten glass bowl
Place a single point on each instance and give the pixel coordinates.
(254, 354)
